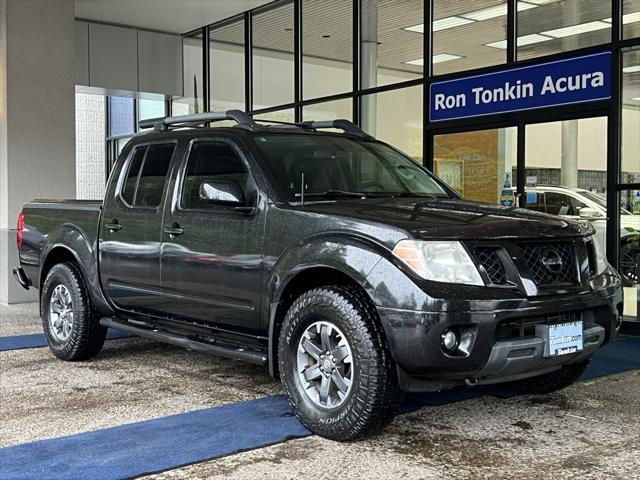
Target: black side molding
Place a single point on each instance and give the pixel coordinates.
(22, 278)
(236, 353)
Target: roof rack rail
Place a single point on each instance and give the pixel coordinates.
(342, 124)
(162, 124)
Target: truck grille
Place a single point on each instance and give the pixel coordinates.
(526, 327)
(550, 263)
(487, 258)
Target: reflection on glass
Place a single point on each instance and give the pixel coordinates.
(468, 35)
(395, 117)
(630, 250)
(391, 41)
(273, 57)
(326, 47)
(548, 27)
(630, 171)
(479, 165)
(226, 59)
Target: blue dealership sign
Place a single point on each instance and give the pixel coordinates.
(562, 82)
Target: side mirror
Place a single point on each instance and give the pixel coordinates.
(223, 191)
(590, 213)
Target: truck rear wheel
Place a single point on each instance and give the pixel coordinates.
(336, 369)
(69, 320)
(553, 381)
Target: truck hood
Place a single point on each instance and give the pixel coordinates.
(452, 219)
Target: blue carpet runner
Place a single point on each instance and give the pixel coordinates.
(168, 442)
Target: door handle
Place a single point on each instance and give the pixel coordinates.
(114, 226)
(174, 231)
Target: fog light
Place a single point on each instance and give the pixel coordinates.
(449, 340)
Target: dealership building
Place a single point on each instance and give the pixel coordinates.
(528, 102)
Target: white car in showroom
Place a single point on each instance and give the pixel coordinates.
(580, 203)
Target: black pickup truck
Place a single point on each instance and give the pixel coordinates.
(337, 261)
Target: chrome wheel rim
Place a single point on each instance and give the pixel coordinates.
(325, 364)
(60, 313)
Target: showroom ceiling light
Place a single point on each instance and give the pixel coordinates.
(627, 18)
(445, 57)
(501, 10)
(441, 57)
(449, 22)
(524, 40)
(495, 11)
(419, 62)
(576, 29)
(631, 69)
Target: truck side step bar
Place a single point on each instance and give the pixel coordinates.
(236, 353)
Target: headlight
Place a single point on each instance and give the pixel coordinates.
(439, 261)
(601, 258)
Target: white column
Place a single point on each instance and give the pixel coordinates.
(369, 63)
(569, 154)
(37, 117)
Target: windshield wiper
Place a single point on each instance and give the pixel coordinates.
(333, 193)
(417, 194)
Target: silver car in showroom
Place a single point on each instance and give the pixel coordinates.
(591, 206)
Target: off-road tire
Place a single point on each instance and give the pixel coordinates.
(374, 397)
(553, 381)
(87, 335)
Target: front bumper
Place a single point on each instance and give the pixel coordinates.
(415, 336)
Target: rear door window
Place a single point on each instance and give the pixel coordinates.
(153, 176)
(130, 182)
(147, 175)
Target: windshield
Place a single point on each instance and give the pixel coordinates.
(601, 200)
(342, 166)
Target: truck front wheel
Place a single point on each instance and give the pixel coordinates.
(71, 325)
(336, 369)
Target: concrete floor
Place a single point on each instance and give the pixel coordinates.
(590, 430)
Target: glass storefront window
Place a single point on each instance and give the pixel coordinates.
(630, 19)
(391, 41)
(630, 250)
(329, 110)
(546, 27)
(468, 35)
(326, 48)
(150, 109)
(395, 117)
(287, 115)
(192, 74)
(120, 116)
(273, 63)
(630, 171)
(480, 165)
(226, 60)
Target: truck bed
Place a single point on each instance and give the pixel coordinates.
(57, 222)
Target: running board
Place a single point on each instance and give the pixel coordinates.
(250, 356)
